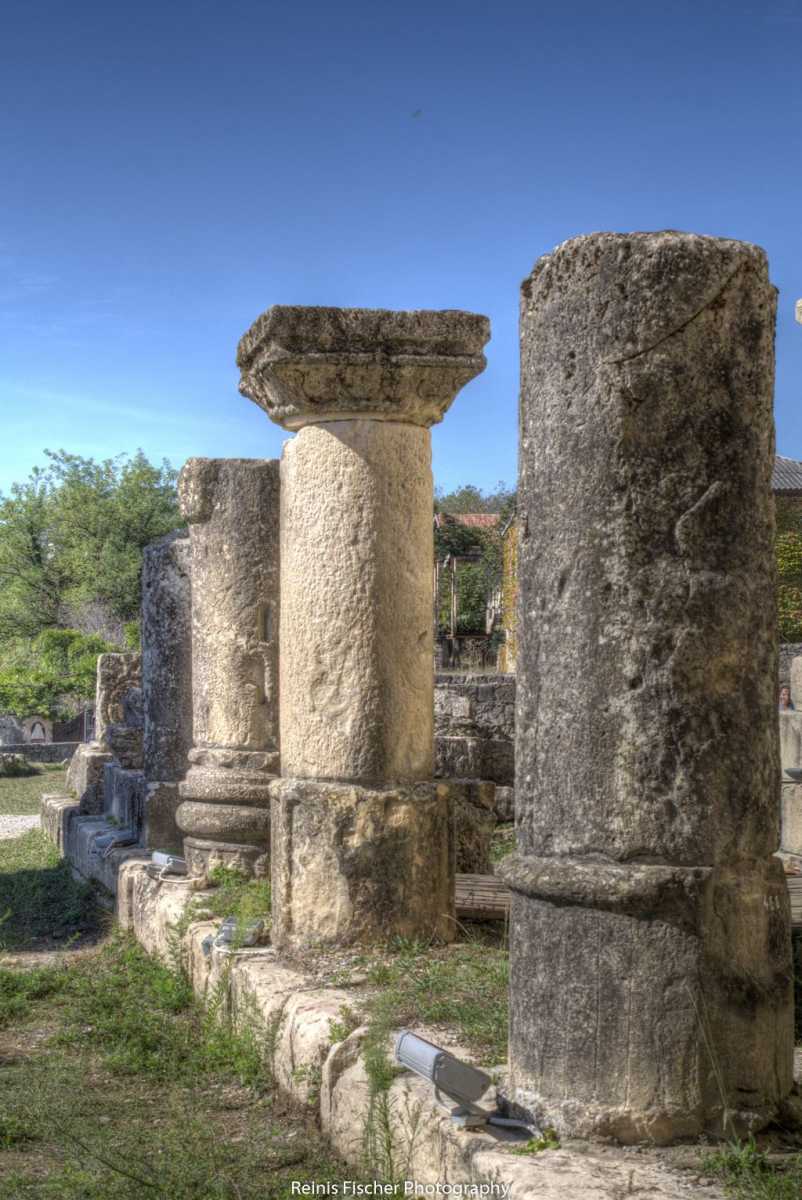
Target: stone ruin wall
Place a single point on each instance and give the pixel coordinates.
(612, 893)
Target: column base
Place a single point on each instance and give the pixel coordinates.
(203, 855)
(649, 1002)
(224, 812)
(357, 864)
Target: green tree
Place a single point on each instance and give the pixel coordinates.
(467, 498)
(478, 577)
(71, 542)
(33, 576)
(50, 675)
(788, 550)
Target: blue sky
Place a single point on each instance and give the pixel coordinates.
(171, 170)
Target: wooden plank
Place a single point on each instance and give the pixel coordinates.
(795, 892)
(482, 898)
(485, 898)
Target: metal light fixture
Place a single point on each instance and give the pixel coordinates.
(106, 842)
(163, 864)
(457, 1080)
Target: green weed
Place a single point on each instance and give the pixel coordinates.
(19, 990)
(747, 1173)
(548, 1140)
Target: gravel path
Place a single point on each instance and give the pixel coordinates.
(12, 827)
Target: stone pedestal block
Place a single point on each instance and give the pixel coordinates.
(159, 828)
(650, 930)
(232, 507)
(628, 1026)
(117, 675)
(796, 682)
(474, 821)
(85, 776)
(123, 792)
(356, 864)
(790, 740)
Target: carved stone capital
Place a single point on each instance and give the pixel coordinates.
(306, 365)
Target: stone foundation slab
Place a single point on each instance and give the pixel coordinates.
(256, 985)
(76, 833)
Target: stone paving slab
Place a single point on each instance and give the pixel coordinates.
(300, 1013)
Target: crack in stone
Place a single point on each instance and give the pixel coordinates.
(673, 332)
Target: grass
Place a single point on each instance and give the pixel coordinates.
(118, 1085)
(748, 1174)
(41, 905)
(22, 795)
(463, 987)
(502, 842)
(232, 895)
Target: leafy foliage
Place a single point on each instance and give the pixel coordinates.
(470, 499)
(71, 544)
(477, 577)
(748, 1174)
(51, 673)
(788, 549)
(72, 536)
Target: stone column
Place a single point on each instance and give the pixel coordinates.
(362, 837)
(651, 975)
(118, 732)
(166, 683)
(232, 508)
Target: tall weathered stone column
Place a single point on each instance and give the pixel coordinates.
(651, 983)
(362, 839)
(166, 683)
(232, 508)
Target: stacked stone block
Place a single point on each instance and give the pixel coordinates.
(474, 732)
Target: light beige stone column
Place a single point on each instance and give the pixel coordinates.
(362, 837)
(232, 508)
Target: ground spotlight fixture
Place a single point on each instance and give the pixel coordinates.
(162, 864)
(106, 842)
(450, 1077)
